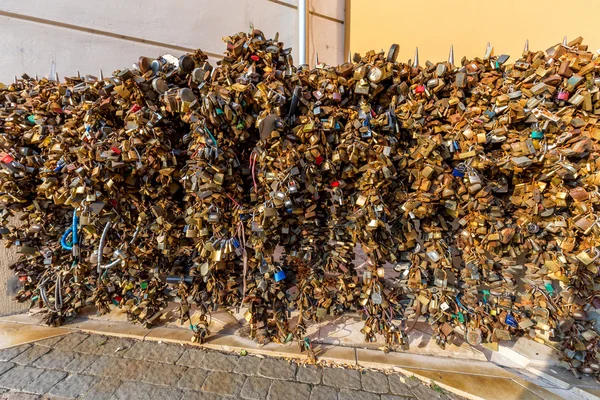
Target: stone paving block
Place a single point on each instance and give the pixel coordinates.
(103, 389)
(107, 366)
(321, 392)
(357, 395)
(224, 383)
(50, 342)
(70, 341)
(163, 375)
(29, 356)
(188, 395)
(191, 358)
(17, 377)
(5, 366)
(80, 362)
(153, 351)
(44, 382)
(3, 391)
(165, 393)
(55, 359)
(341, 378)
(19, 396)
(104, 345)
(11, 352)
(400, 388)
(192, 379)
(134, 391)
(284, 390)
(91, 344)
(424, 392)
(255, 388)
(410, 381)
(374, 381)
(116, 347)
(248, 365)
(122, 368)
(73, 386)
(394, 397)
(136, 369)
(309, 374)
(277, 369)
(215, 361)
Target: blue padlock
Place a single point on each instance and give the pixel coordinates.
(279, 275)
(511, 321)
(456, 172)
(490, 114)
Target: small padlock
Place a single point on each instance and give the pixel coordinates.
(262, 285)
(511, 321)
(458, 172)
(563, 96)
(537, 135)
(213, 217)
(474, 337)
(279, 275)
(376, 295)
(474, 177)
(84, 218)
(280, 196)
(292, 187)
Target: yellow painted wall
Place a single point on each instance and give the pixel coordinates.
(433, 25)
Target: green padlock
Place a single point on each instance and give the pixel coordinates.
(537, 135)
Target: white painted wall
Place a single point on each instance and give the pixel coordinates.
(109, 34)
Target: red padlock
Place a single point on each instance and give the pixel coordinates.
(563, 96)
(6, 158)
(420, 89)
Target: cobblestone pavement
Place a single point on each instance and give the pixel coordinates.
(98, 367)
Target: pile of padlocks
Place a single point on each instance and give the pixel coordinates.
(477, 182)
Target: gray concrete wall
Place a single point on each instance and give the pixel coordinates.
(88, 35)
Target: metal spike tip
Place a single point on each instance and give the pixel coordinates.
(78, 74)
(451, 55)
(56, 77)
(101, 75)
(564, 43)
(317, 61)
(488, 51)
(526, 48)
(349, 56)
(416, 59)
